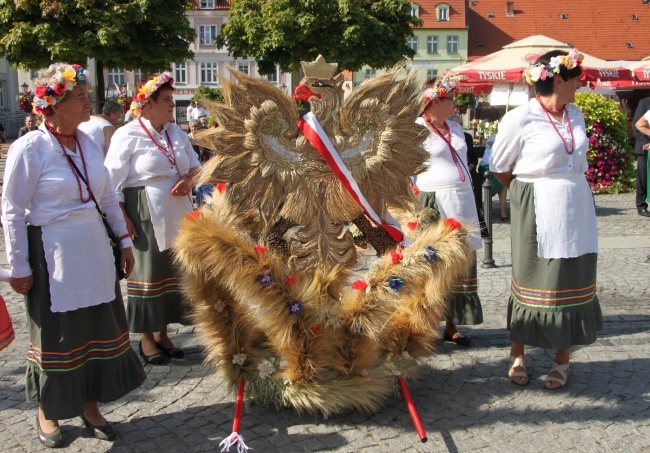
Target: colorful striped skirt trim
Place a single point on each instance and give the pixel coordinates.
(539, 298)
(6, 338)
(465, 286)
(153, 289)
(71, 360)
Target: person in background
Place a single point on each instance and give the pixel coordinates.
(102, 127)
(473, 157)
(61, 260)
(30, 125)
(198, 112)
(497, 187)
(6, 327)
(3, 134)
(446, 187)
(540, 153)
(641, 123)
(151, 162)
(203, 122)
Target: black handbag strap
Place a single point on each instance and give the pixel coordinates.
(101, 214)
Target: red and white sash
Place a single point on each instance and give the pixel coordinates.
(313, 131)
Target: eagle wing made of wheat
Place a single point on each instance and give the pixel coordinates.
(383, 141)
(254, 145)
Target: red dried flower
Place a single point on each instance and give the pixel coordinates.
(396, 257)
(260, 249)
(453, 223)
(413, 225)
(359, 285)
(289, 280)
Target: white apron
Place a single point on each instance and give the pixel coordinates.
(166, 211)
(458, 202)
(79, 261)
(565, 216)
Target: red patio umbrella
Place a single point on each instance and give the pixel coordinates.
(508, 64)
(641, 70)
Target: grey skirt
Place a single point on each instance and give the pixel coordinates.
(464, 306)
(553, 302)
(154, 286)
(75, 356)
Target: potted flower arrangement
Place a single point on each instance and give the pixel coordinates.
(611, 167)
(464, 101)
(25, 102)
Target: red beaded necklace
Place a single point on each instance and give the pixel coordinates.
(171, 157)
(447, 140)
(56, 134)
(565, 114)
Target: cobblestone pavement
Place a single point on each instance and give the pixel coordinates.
(463, 396)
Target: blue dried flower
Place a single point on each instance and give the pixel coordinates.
(358, 327)
(395, 283)
(430, 253)
(295, 307)
(265, 279)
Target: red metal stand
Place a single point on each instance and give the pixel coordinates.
(412, 410)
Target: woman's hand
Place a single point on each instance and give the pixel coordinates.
(646, 146)
(127, 261)
(130, 227)
(22, 285)
(183, 187)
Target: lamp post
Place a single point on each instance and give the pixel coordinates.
(24, 86)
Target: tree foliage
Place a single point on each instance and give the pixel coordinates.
(352, 33)
(206, 93)
(127, 34)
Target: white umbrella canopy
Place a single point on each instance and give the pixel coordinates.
(641, 70)
(508, 64)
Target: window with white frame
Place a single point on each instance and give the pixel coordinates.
(415, 10)
(370, 73)
(432, 44)
(243, 66)
(137, 75)
(412, 42)
(452, 44)
(273, 77)
(115, 77)
(432, 74)
(442, 11)
(206, 4)
(180, 73)
(207, 35)
(209, 72)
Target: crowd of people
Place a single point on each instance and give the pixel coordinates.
(74, 177)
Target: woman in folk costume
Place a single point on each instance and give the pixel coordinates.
(79, 351)
(151, 162)
(540, 152)
(446, 187)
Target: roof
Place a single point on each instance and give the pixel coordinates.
(601, 28)
(428, 14)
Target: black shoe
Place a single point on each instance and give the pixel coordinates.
(154, 359)
(644, 212)
(100, 432)
(460, 341)
(53, 440)
(174, 353)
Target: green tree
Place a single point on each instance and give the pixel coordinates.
(127, 34)
(206, 93)
(352, 33)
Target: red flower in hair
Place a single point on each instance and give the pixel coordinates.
(40, 91)
(75, 66)
(59, 88)
(453, 223)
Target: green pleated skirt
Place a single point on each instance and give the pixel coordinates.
(154, 286)
(464, 305)
(76, 356)
(553, 302)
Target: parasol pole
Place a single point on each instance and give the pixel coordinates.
(412, 410)
(510, 86)
(235, 438)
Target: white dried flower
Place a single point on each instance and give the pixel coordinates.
(239, 359)
(266, 369)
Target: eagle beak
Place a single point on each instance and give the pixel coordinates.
(302, 94)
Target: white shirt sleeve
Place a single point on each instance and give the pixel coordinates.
(507, 144)
(646, 115)
(19, 185)
(118, 162)
(111, 209)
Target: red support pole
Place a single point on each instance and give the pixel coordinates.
(239, 403)
(412, 410)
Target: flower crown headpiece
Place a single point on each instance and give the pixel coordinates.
(63, 80)
(442, 86)
(537, 72)
(140, 99)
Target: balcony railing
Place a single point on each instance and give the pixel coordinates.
(219, 5)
